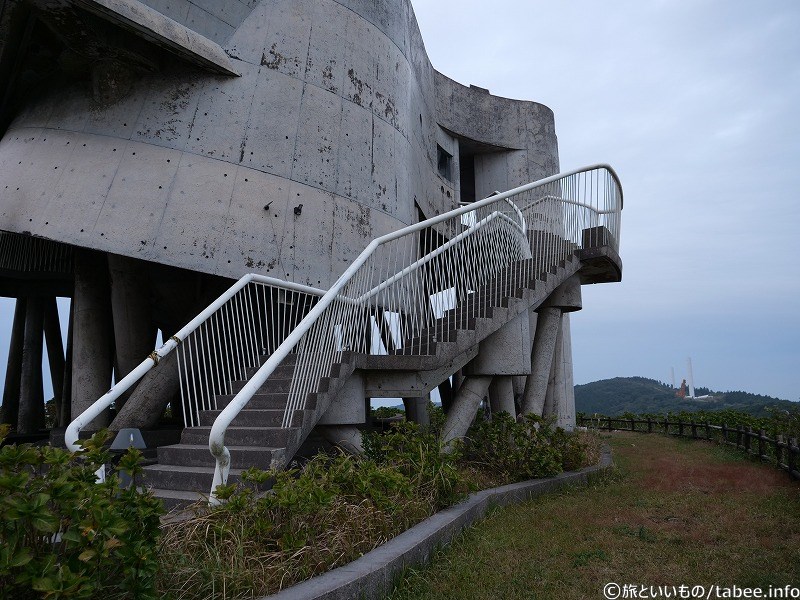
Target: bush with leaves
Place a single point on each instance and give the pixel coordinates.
(510, 450)
(63, 535)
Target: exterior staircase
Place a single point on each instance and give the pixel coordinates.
(263, 363)
(185, 471)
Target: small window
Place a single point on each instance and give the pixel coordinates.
(444, 163)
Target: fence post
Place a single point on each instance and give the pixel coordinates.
(609, 423)
(779, 449)
(666, 426)
(739, 437)
(747, 439)
(762, 437)
(680, 427)
(694, 430)
(793, 452)
(633, 425)
(724, 433)
(708, 430)
(649, 425)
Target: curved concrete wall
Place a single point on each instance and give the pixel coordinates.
(328, 139)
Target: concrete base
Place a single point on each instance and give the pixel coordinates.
(346, 437)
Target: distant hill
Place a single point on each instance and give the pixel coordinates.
(640, 395)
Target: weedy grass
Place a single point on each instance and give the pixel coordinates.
(336, 508)
(671, 512)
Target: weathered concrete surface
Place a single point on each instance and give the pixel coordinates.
(505, 352)
(375, 574)
(417, 410)
(146, 404)
(349, 406)
(337, 109)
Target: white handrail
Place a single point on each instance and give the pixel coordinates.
(217, 434)
(72, 433)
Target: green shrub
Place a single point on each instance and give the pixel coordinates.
(63, 535)
(530, 448)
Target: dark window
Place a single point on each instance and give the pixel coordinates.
(444, 163)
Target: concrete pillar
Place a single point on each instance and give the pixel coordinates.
(544, 343)
(66, 390)
(346, 437)
(134, 331)
(417, 411)
(92, 344)
(555, 385)
(501, 395)
(31, 398)
(465, 405)
(566, 413)
(55, 355)
(14, 365)
(446, 394)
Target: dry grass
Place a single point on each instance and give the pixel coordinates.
(674, 512)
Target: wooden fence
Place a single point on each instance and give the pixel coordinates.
(780, 451)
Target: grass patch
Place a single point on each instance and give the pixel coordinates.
(672, 512)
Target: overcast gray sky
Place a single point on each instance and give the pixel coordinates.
(694, 103)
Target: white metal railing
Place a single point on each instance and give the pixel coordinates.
(218, 345)
(416, 285)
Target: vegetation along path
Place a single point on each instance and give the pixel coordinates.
(672, 512)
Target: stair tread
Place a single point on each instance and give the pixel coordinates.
(205, 447)
(177, 494)
(187, 469)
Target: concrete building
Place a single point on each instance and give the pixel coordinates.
(154, 152)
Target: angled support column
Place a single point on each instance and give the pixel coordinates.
(55, 356)
(565, 298)
(544, 344)
(14, 365)
(465, 406)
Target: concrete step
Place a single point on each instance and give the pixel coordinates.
(252, 417)
(273, 385)
(198, 455)
(174, 500)
(270, 437)
(282, 372)
(183, 477)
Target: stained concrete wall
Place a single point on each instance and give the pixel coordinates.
(333, 126)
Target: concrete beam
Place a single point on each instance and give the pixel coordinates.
(349, 406)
